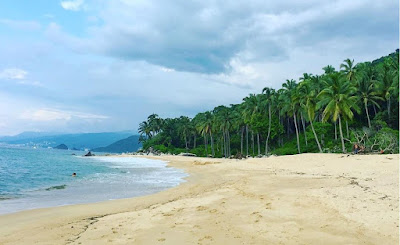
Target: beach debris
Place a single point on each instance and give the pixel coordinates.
(186, 154)
(204, 163)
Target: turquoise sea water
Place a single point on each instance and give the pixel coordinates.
(37, 178)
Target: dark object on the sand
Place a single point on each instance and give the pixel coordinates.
(187, 154)
(89, 154)
(238, 155)
(61, 147)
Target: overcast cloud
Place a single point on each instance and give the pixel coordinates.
(100, 65)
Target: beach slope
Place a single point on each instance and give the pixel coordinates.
(300, 199)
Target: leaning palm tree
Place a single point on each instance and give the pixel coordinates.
(338, 101)
(309, 103)
(145, 129)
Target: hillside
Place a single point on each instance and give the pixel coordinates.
(78, 141)
(129, 144)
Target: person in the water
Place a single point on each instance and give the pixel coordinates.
(73, 174)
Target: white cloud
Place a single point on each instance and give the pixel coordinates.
(21, 24)
(74, 5)
(47, 114)
(13, 74)
(164, 69)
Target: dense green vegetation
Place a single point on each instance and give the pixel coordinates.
(129, 144)
(321, 113)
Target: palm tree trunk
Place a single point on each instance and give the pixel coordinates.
(288, 123)
(247, 140)
(366, 110)
(186, 143)
(304, 127)
(297, 132)
(241, 140)
(373, 106)
(269, 130)
(279, 136)
(252, 141)
(212, 145)
(205, 144)
(229, 144)
(224, 135)
(341, 135)
(347, 129)
(335, 131)
(315, 134)
(258, 144)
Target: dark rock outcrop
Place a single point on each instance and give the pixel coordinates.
(89, 154)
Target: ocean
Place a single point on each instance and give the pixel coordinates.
(39, 178)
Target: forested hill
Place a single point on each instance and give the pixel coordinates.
(329, 112)
(129, 144)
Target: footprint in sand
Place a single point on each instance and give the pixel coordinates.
(207, 238)
(161, 239)
(201, 208)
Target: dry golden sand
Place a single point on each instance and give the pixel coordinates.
(302, 199)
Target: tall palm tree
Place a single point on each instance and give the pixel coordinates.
(252, 105)
(385, 84)
(367, 92)
(338, 101)
(270, 98)
(309, 102)
(347, 67)
(292, 105)
(205, 128)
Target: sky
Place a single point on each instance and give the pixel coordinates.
(100, 66)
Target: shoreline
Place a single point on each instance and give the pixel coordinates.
(290, 199)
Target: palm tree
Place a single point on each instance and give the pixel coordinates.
(328, 69)
(270, 97)
(185, 129)
(338, 100)
(291, 105)
(144, 129)
(385, 84)
(309, 102)
(205, 126)
(348, 69)
(252, 105)
(367, 92)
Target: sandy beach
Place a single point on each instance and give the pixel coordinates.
(301, 199)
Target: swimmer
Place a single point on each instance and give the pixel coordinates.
(73, 174)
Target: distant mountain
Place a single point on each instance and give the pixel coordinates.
(27, 135)
(78, 141)
(61, 147)
(129, 144)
